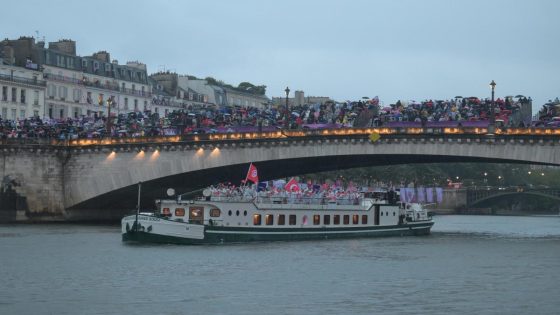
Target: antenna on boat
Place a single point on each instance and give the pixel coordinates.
(138, 206)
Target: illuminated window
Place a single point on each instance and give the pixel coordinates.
(180, 212)
(355, 219)
(364, 219)
(165, 212)
(346, 219)
(292, 219)
(269, 219)
(326, 219)
(336, 219)
(215, 212)
(281, 219)
(256, 219)
(316, 219)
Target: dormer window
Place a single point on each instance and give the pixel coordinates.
(84, 63)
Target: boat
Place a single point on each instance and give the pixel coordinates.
(219, 219)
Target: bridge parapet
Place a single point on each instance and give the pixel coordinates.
(475, 196)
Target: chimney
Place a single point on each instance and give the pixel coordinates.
(66, 46)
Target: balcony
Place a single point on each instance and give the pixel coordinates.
(96, 84)
(10, 78)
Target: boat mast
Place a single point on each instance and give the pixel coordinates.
(138, 206)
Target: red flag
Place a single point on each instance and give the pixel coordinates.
(252, 174)
(292, 185)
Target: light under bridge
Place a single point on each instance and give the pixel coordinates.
(96, 178)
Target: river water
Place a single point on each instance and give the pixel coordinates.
(469, 265)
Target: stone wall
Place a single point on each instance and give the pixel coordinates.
(31, 185)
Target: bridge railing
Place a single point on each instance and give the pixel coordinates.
(288, 134)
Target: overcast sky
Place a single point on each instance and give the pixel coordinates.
(409, 50)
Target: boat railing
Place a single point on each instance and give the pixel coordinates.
(307, 200)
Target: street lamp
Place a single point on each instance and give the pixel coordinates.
(109, 104)
(287, 90)
(492, 125)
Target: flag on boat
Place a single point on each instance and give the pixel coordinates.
(252, 174)
(292, 185)
(262, 186)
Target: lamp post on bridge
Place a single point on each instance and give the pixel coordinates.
(109, 104)
(287, 123)
(492, 124)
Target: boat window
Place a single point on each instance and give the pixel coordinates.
(180, 212)
(326, 219)
(336, 219)
(387, 213)
(269, 219)
(229, 213)
(292, 219)
(304, 220)
(281, 219)
(215, 212)
(316, 219)
(393, 213)
(245, 213)
(165, 212)
(346, 219)
(237, 213)
(381, 213)
(364, 219)
(256, 219)
(355, 219)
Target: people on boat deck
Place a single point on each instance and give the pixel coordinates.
(304, 192)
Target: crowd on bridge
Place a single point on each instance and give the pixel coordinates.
(212, 119)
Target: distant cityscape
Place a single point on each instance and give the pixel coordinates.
(54, 82)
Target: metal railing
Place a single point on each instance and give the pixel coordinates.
(11, 78)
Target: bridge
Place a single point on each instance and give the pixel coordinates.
(96, 178)
(477, 196)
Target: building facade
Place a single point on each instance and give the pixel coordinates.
(22, 92)
(82, 86)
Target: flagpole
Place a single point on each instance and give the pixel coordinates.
(138, 205)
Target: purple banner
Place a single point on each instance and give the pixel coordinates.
(439, 194)
(429, 195)
(420, 194)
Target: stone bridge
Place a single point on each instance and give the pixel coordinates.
(477, 196)
(97, 179)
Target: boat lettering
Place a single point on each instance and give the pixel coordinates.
(149, 219)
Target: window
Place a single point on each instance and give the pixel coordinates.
(292, 219)
(62, 92)
(89, 100)
(35, 113)
(22, 96)
(145, 105)
(70, 63)
(107, 67)
(35, 97)
(346, 219)
(394, 213)
(100, 99)
(13, 114)
(269, 219)
(336, 219)
(256, 219)
(364, 219)
(245, 213)
(237, 213)
(61, 112)
(133, 88)
(14, 95)
(84, 63)
(165, 212)
(135, 105)
(126, 103)
(381, 213)
(281, 219)
(316, 219)
(229, 213)
(326, 219)
(355, 219)
(215, 212)
(5, 113)
(123, 87)
(4, 93)
(180, 212)
(22, 113)
(76, 95)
